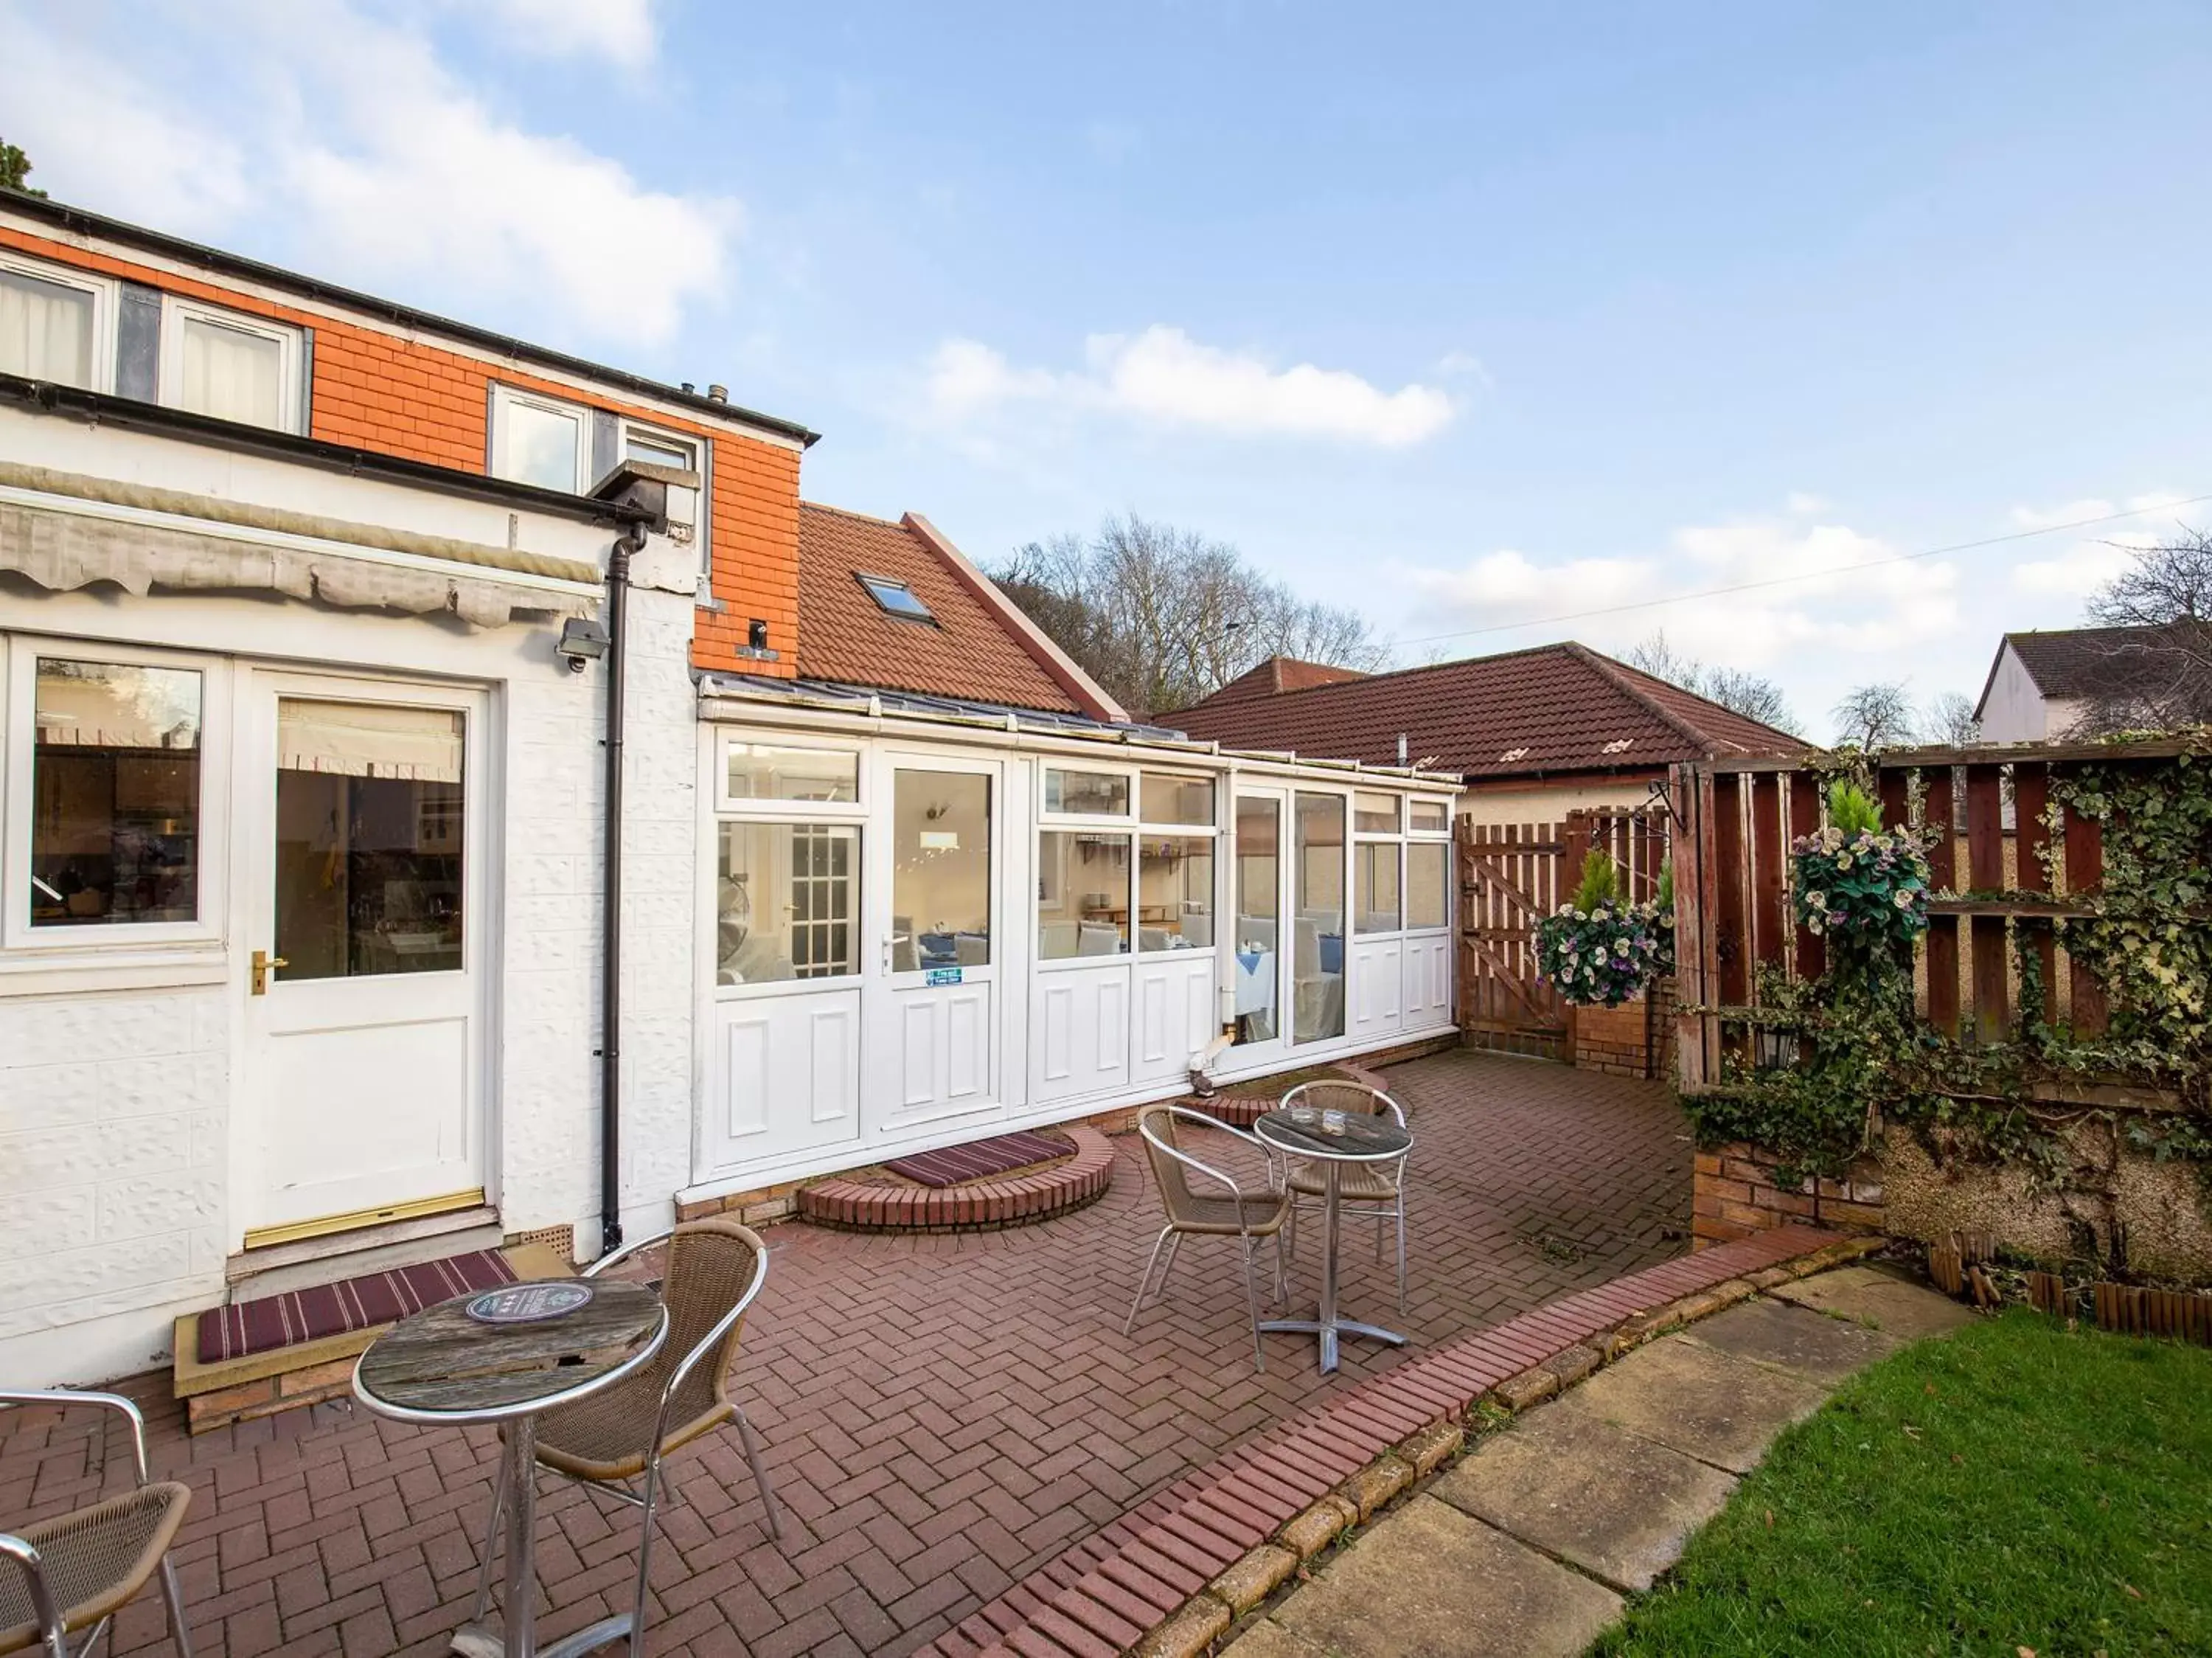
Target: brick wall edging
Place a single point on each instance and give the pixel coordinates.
(1168, 1578)
(986, 1205)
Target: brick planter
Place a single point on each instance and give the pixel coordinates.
(1636, 1039)
(880, 1204)
(1736, 1193)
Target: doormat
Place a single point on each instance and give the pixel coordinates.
(333, 1309)
(979, 1158)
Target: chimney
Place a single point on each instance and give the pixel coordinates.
(688, 386)
(720, 394)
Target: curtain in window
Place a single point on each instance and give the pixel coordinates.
(231, 374)
(45, 330)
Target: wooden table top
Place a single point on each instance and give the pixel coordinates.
(513, 1350)
(1362, 1138)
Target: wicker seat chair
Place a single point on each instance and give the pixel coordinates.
(1251, 1218)
(76, 1571)
(1363, 1190)
(614, 1442)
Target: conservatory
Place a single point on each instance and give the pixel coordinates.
(924, 922)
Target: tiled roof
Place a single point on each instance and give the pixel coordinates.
(2083, 661)
(845, 635)
(1556, 708)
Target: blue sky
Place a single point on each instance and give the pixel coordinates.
(1469, 318)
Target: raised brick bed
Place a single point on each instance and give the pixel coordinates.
(879, 1204)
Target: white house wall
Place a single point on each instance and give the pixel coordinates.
(117, 1109)
(2015, 710)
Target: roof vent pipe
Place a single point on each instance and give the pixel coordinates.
(1402, 750)
(720, 394)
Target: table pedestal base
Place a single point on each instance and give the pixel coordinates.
(486, 1640)
(1330, 1331)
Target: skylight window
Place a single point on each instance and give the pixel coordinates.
(896, 598)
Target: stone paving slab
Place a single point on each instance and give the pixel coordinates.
(1618, 1506)
(1521, 1545)
(1383, 1599)
(1795, 1339)
(1878, 1299)
(1704, 1404)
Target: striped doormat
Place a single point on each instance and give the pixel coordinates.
(332, 1309)
(979, 1158)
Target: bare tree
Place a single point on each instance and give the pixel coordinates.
(1163, 617)
(2158, 674)
(1876, 716)
(1752, 695)
(1950, 721)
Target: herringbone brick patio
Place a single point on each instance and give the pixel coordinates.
(943, 1414)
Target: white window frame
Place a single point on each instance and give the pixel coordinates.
(1054, 818)
(504, 398)
(176, 310)
(107, 299)
(1209, 831)
(703, 449)
(26, 945)
(794, 814)
(747, 806)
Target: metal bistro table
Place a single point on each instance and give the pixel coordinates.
(1332, 1139)
(505, 1356)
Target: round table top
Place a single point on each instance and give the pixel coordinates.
(1303, 1131)
(511, 1352)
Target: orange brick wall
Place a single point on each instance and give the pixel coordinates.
(419, 401)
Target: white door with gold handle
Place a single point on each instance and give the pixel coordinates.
(262, 961)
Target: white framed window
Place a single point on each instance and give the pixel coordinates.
(56, 324)
(656, 448)
(1084, 792)
(766, 772)
(787, 902)
(229, 366)
(541, 441)
(114, 832)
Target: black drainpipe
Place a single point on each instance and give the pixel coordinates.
(610, 1231)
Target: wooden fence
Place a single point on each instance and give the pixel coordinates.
(1510, 876)
(1990, 873)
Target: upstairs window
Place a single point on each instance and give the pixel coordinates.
(53, 325)
(228, 366)
(539, 440)
(896, 598)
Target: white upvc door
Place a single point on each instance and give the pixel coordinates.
(1260, 941)
(935, 904)
(363, 808)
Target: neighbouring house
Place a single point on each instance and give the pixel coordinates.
(2042, 685)
(312, 606)
(1531, 734)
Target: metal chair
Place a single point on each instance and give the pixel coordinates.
(617, 1439)
(80, 1568)
(1248, 1218)
(1363, 1188)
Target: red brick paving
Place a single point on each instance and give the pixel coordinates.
(944, 1414)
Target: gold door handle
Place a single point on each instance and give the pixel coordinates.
(262, 961)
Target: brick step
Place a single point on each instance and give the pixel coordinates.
(304, 1372)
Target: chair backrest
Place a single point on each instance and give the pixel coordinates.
(1099, 938)
(1157, 1126)
(709, 1268)
(1333, 1093)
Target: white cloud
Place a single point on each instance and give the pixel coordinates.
(2081, 569)
(1163, 376)
(620, 31)
(1800, 503)
(354, 150)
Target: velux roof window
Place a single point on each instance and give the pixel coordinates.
(894, 598)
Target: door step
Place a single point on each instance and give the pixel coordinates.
(278, 1269)
(308, 1371)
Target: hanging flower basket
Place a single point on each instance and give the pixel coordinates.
(1863, 891)
(1603, 955)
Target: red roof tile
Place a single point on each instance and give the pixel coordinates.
(1555, 708)
(845, 635)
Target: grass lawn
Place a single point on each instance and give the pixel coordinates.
(2013, 1488)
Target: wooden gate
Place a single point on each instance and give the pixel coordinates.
(1511, 875)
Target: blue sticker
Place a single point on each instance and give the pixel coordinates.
(941, 976)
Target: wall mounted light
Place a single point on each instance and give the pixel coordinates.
(582, 640)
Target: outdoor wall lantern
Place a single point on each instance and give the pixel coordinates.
(582, 640)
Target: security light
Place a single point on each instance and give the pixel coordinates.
(582, 640)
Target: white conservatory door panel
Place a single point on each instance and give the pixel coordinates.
(1080, 1031)
(1176, 1017)
(786, 1077)
(1428, 980)
(1378, 988)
